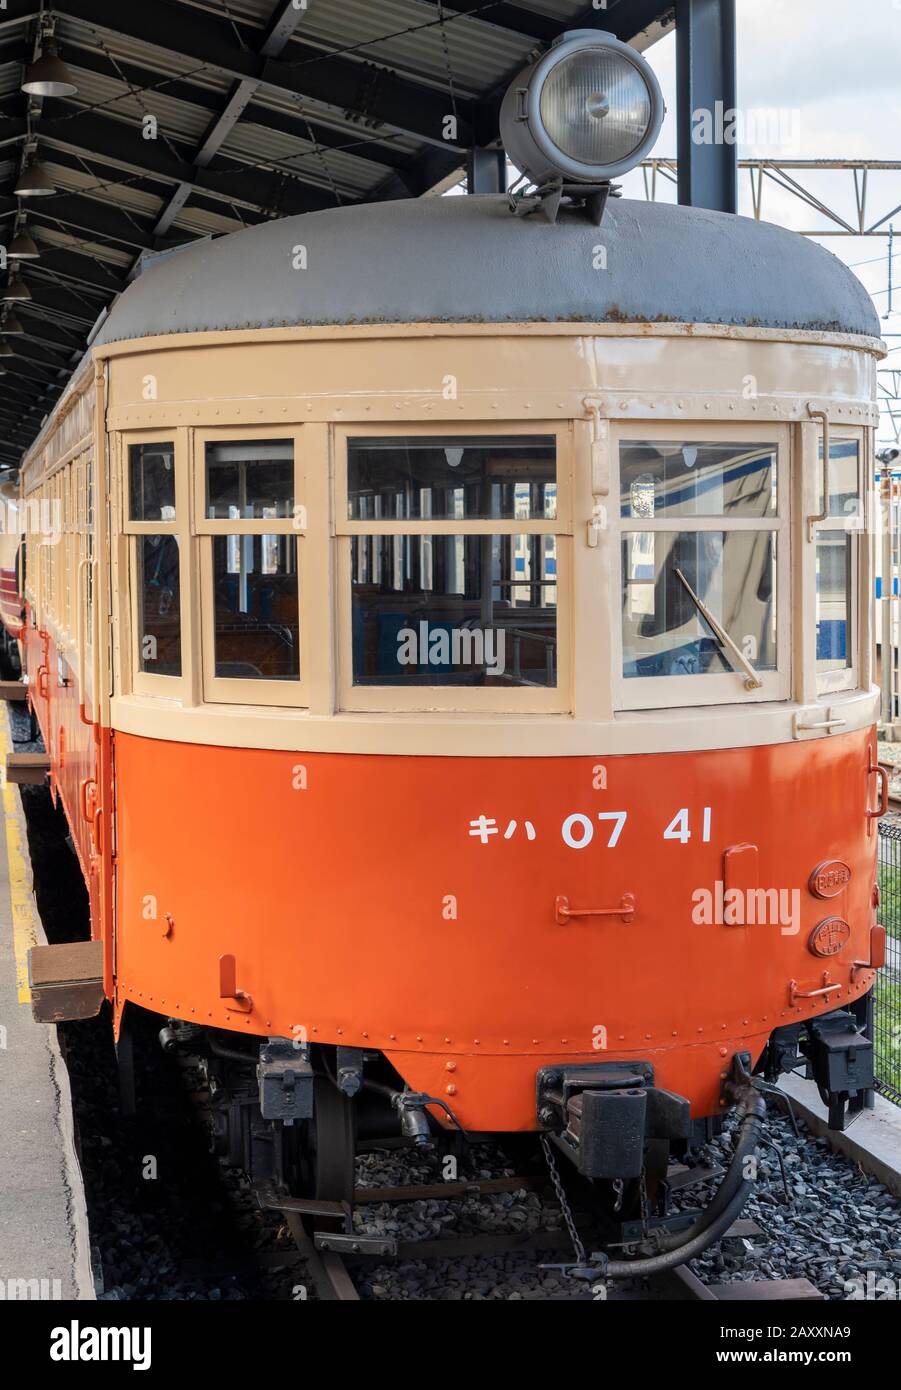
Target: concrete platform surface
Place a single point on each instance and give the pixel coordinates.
(44, 1244)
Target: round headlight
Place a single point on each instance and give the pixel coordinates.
(587, 111)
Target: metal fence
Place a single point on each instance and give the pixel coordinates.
(887, 996)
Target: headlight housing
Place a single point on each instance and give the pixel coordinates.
(587, 111)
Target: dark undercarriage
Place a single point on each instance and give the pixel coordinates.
(294, 1116)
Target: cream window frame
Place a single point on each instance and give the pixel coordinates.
(230, 690)
(83, 579)
(456, 699)
(53, 586)
(147, 682)
(848, 678)
(68, 541)
(636, 693)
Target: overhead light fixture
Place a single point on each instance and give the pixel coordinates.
(11, 325)
(587, 111)
(5, 349)
(16, 289)
(48, 75)
(22, 247)
(34, 181)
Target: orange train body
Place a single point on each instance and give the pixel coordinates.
(410, 905)
(365, 909)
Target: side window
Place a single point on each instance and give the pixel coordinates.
(703, 541)
(151, 482)
(155, 558)
(159, 598)
(251, 521)
(453, 560)
(837, 555)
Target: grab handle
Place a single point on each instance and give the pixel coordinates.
(82, 639)
(882, 773)
(84, 797)
(795, 993)
(564, 913)
(812, 521)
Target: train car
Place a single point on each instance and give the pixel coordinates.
(10, 561)
(456, 666)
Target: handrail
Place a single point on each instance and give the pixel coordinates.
(813, 521)
(82, 626)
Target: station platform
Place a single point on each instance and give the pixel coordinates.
(44, 1243)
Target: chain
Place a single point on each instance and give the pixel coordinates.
(577, 1245)
(643, 1198)
(618, 1186)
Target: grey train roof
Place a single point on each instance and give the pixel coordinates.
(462, 259)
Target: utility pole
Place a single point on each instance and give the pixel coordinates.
(888, 458)
(891, 245)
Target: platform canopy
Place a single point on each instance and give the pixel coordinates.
(193, 118)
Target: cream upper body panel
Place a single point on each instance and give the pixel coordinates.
(434, 322)
(590, 386)
(420, 373)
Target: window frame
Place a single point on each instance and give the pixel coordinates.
(847, 678)
(636, 693)
(83, 572)
(147, 682)
(463, 699)
(228, 690)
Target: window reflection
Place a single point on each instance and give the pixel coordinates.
(159, 615)
(844, 480)
(663, 480)
(151, 482)
(452, 478)
(257, 626)
(247, 479)
(833, 600)
(732, 572)
(454, 610)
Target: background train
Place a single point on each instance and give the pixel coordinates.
(455, 662)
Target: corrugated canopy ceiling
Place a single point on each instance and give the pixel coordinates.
(259, 109)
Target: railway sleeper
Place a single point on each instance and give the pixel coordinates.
(292, 1114)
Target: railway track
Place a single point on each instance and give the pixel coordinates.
(332, 1249)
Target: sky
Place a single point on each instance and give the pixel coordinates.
(832, 71)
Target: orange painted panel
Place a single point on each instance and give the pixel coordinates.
(409, 904)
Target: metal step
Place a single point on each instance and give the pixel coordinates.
(66, 981)
(27, 769)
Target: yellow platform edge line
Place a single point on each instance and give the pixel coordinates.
(20, 893)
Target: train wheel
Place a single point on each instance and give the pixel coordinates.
(327, 1162)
